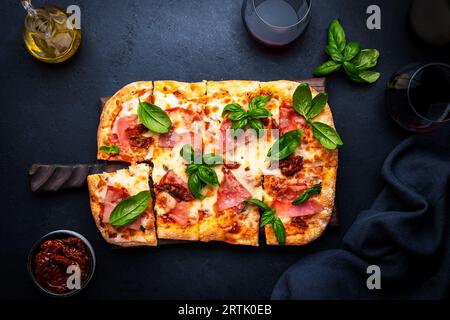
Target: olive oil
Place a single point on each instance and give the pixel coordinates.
(48, 36)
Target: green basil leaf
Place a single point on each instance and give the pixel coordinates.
(195, 186)
(326, 135)
(256, 124)
(259, 113)
(285, 145)
(239, 124)
(112, 149)
(267, 217)
(327, 68)
(259, 203)
(212, 159)
(259, 102)
(129, 209)
(187, 153)
(305, 195)
(154, 118)
(369, 76)
(366, 58)
(302, 98)
(193, 168)
(352, 72)
(232, 107)
(351, 50)
(360, 76)
(334, 53)
(279, 230)
(208, 175)
(237, 115)
(317, 105)
(336, 35)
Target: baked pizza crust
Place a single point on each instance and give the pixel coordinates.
(317, 223)
(227, 226)
(123, 236)
(315, 157)
(111, 110)
(183, 91)
(189, 95)
(176, 95)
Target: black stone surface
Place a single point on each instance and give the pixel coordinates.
(50, 115)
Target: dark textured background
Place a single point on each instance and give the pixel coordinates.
(50, 115)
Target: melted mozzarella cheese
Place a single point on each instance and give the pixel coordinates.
(134, 179)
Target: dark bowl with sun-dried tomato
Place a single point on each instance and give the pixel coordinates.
(61, 263)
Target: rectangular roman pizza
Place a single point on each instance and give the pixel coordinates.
(227, 158)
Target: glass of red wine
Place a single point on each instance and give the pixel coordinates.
(418, 96)
(276, 22)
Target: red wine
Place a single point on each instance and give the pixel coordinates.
(419, 97)
(276, 22)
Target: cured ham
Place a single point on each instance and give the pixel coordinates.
(128, 132)
(290, 119)
(175, 186)
(136, 225)
(231, 193)
(173, 138)
(177, 200)
(284, 207)
(180, 214)
(227, 142)
(112, 198)
(123, 124)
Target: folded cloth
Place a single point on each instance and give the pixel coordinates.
(405, 233)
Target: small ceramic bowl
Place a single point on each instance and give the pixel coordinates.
(61, 234)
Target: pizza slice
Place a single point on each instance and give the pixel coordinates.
(113, 195)
(120, 135)
(177, 211)
(304, 221)
(310, 171)
(285, 119)
(226, 217)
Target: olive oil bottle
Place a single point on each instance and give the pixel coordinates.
(47, 34)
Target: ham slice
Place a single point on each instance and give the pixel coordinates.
(172, 178)
(174, 198)
(284, 207)
(180, 214)
(178, 137)
(112, 198)
(175, 186)
(173, 138)
(123, 124)
(290, 120)
(231, 192)
(108, 208)
(136, 225)
(227, 140)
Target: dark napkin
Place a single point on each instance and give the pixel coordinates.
(405, 232)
